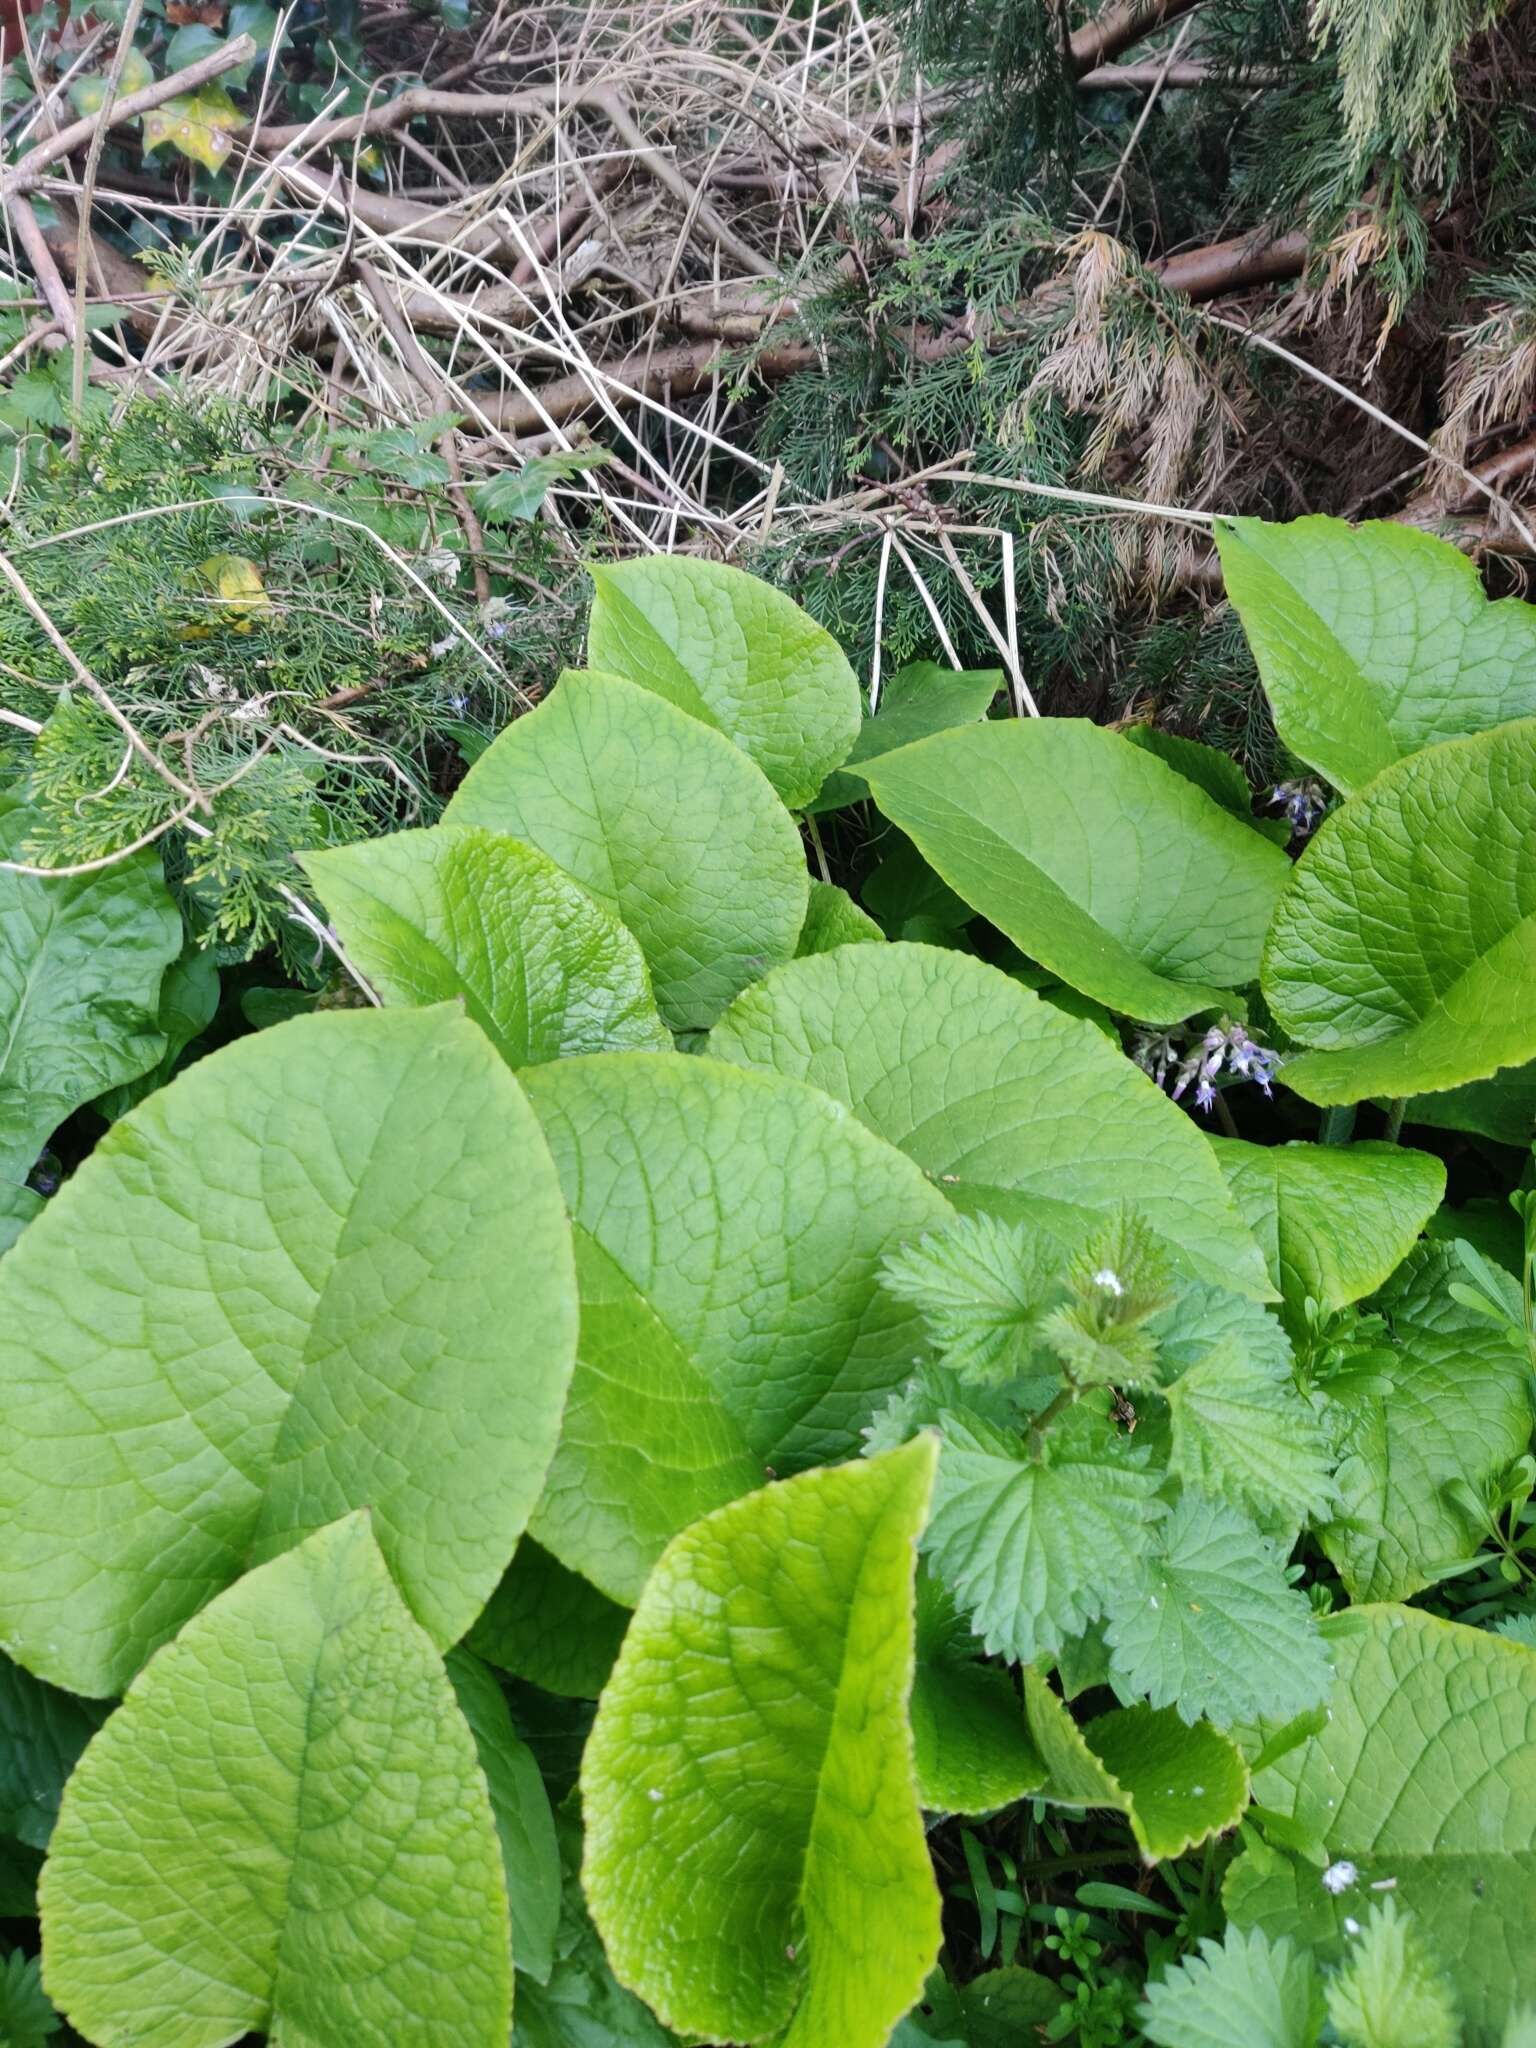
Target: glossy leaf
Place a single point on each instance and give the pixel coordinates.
(755, 1857)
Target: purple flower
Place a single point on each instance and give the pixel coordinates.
(1225, 1045)
(1305, 803)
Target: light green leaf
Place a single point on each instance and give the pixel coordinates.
(1405, 947)
(81, 963)
(525, 1826)
(18, 1205)
(755, 1855)
(734, 652)
(284, 1828)
(730, 1228)
(1093, 856)
(663, 822)
(980, 1081)
(920, 699)
(834, 919)
(1207, 767)
(1391, 1993)
(189, 1002)
(550, 1626)
(972, 1748)
(981, 1288)
(42, 1732)
(1213, 1628)
(1240, 1432)
(1374, 641)
(1334, 1220)
(1422, 1782)
(1244, 1988)
(461, 912)
(1035, 1547)
(1177, 1786)
(1458, 1410)
(327, 1267)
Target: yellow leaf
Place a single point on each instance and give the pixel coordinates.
(200, 124)
(241, 591)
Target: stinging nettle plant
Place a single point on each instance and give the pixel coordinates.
(816, 1340)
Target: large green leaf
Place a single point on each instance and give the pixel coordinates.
(972, 1747)
(1269, 1991)
(1374, 641)
(80, 968)
(1240, 1431)
(729, 1230)
(458, 912)
(663, 822)
(755, 1856)
(1423, 1781)
(1405, 947)
(284, 1828)
(1093, 856)
(42, 1732)
(918, 700)
(734, 652)
(980, 1081)
(834, 919)
(1176, 1785)
(550, 1626)
(327, 1267)
(1334, 1220)
(1455, 1410)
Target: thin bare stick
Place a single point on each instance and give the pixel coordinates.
(1141, 121)
(40, 256)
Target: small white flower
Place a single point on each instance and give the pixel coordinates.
(1109, 1281)
(1351, 1926)
(1338, 1877)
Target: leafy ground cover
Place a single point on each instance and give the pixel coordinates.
(858, 1371)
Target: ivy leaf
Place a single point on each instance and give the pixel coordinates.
(755, 1856)
(1240, 1432)
(1093, 856)
(1214, 1628)
(273, 1292)
(920, 699)
(972, 1748)
(663, 823)
(1422, 1779)
(514, 495)
(81, 963)
(1391, 1993)
(981, 1288)
(734, 652)
(202, 125)
(549, 1626)
(1034, 1548)
(834, 919)
(461, 912)
(1269, 1991)
(284, 1828)
(1402, 949)
(1374, 641)
(42, 1732)
(982, 1083)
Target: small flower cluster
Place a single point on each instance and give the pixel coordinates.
(1305, 804)
(1226, 1044)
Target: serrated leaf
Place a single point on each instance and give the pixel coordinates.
(27, 2017)
(550, 1626)
(919, 699)
(1213, 1628)
(970, 1742)
(1240, 1432)
(461, 912)
(1374, 641)
(779, 1886)
(1457, 1408)
(1391, 1993)
(1177, 1786)
(42, 1732)
(1094, 857)
(834, 919)
(1269, 1991)
(663, 822)
(730, 1228)
(1423, 1781)
(980, 1081)
(276, 1290)
(732, 651)
(283, 1828)
(81, 962)
(1403, 949)
(1033, 1548)
(981, 1287)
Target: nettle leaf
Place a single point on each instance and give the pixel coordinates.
(918, 700)
(1457, 1411)
(284, 1828)
(1391, 1992)
(1334, 1220)
(27, 2017)
(1402, 950)
(730, 1228)
(1374, 641)
(461, 912)
(1422, 1782)
(834, 919)
(981, 1082)
(981, 1288)
(1239, 1431)
(81, 962)
(550, 1626)
(972, 1747)
(1093, 856)
(663, 822)
(42, 1732)
(1267, 1994)
(1034, 1547)
(755, 1856)
(1213, 1627)
(734, 652)
(329, 1266)
(1176, 1785)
